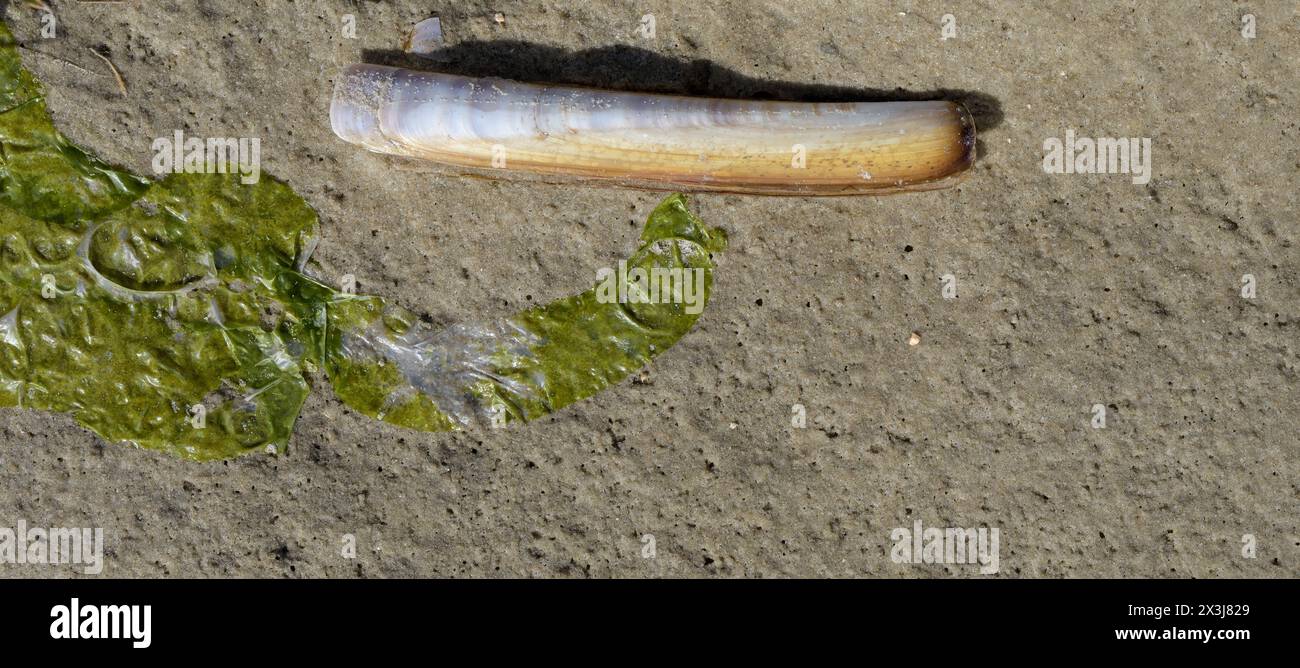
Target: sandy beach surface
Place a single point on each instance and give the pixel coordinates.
(1072, 291)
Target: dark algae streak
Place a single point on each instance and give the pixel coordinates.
(181, 314)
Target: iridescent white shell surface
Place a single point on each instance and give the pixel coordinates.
(503, 128)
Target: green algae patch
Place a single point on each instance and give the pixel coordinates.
(179, 315)
(535, 362)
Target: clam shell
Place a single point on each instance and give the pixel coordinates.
(663, 142)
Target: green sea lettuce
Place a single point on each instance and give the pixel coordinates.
(181, 314)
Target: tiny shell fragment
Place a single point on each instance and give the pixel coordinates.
(425, 38)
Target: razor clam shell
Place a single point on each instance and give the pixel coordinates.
(660, 142)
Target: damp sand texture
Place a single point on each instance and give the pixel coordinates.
(1072, 290)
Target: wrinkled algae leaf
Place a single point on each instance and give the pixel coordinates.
(178, 315)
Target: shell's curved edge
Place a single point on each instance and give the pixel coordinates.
(504, 129)
(519, 176)
(357, 93)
